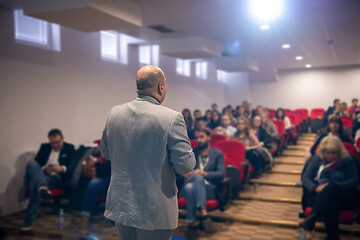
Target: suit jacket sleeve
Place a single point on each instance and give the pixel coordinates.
(179, 149)
(216, 175)
(310, 172)
(43, 154)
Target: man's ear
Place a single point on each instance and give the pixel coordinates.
(161, 89)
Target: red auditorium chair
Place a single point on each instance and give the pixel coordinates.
(216, 137)
(193, 143)
(234, 152)
(348, 124)
(214, 204)
(317, 121)
(350, 148)
(305, 118)
(345, 216)
(271, 113)
(280, 127)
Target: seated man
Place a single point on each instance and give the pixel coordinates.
(199, 123)
(90, 179)
(200, 184)
(225, 127)
(48, 170)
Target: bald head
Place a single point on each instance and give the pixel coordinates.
(150, 80)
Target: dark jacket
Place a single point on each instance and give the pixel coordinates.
(215, 167)
(344, 174)
(65, 157)
(264, 137)
(343, 138)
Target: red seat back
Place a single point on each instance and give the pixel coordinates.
(193, 143)
(317, 112)
(234, 151)
(347, 121)
(280, 126)
(271, 113)
(216, 137)
(350, 148)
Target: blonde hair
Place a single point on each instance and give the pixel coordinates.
(332, 143)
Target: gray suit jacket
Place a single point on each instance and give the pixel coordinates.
(146, 143)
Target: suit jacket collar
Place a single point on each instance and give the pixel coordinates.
(148, 98)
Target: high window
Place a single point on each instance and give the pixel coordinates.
(149, 54)
(183, 67)
(221, 76)
(201, 70)
(35, 32)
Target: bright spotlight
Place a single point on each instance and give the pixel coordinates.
(308, 66)
(266, 10)
(286, 46)
(264, 27)
(299, 58)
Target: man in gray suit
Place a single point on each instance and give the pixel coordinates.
(146, 143)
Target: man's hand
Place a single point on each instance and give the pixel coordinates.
(199, 172)
(57, 168)
(187, 175)
(320, 187)
(48, 169)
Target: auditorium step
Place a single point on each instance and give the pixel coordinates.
(297, 147)
(271, 193)
(294, 153)
(293, 160)
(278, 180)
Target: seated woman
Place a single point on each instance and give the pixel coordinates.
(208, 116)
(215, 120)
(344, 110)
(335, 128)
(260, 132)
(240, 112)
(252, 145)
(329, 183)
(188, 119)
(290, 130)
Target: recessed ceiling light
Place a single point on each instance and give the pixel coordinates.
(264, 27)
(266, 10)
(308, 66)
(286, 46)
(298, 58)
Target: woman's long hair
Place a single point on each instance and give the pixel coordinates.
(277, 113)
(332, 143)
(246, 130)
(336, 119)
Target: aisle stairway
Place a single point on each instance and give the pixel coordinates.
(269, 207)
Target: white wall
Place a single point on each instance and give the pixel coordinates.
(308, 88)
(72, 90)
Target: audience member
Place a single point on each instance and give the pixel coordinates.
(344, 111)
(354, 109)
(269, 126)
(335, 128)
(225, 126)
(290, 130)
(199, 123)
(208, 116)
(197, 113)
(240, 112)
(329, 182)
(90, 180)
(251, 145)
(331, 109)
(48, 170)
(260, 132)
(215, 120)
(250, 112)
(202, 182)
(259, 110)
(214, 107)
(188, 119)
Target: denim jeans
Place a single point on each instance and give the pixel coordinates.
(96, 187)
(35, 178)
(196, 192)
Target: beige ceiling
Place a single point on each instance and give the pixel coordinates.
(325, 32)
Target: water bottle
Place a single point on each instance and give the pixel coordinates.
(61, 219)
(302, 234)
(255, 187)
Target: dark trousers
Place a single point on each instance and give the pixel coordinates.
(35, 178)
(255, 159)
(328, 203)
